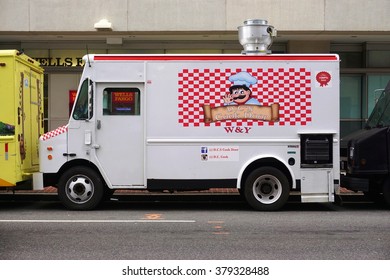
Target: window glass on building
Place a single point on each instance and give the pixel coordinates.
(351, 59)
(375, 86)
(379, 58)
(350, 103)
(359, 92)
(351, 97)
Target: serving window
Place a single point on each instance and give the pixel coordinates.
(121, 101)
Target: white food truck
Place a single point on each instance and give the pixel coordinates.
(266, 124)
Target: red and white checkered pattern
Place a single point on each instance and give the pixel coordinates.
(289, 87)
(53, 133)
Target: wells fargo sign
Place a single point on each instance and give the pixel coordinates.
(60, 61)
(123, 97)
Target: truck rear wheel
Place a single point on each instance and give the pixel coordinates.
(267, 188)
(80, 188)
(386, 191)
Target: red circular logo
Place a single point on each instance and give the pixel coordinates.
(323, 78)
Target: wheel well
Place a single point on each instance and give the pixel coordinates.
(54, 178)
(272, 162)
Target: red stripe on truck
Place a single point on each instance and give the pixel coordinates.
(325, 57)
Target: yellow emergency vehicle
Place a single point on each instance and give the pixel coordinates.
(21, 117)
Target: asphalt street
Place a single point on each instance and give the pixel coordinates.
(191, 227)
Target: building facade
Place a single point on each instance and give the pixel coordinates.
(59, 32)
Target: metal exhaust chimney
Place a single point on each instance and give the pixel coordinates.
(256, 36)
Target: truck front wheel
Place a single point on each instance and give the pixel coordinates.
(80, 188)
(267, 188)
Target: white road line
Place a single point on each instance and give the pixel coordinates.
(97, 221)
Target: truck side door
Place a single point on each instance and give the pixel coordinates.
(120, 133)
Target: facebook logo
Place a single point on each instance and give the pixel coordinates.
(203, 150)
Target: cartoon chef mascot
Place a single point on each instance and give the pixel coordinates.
(239, 92)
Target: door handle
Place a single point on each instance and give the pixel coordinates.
(98, 124)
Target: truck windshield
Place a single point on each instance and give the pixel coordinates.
(80, 111)
(380, 116)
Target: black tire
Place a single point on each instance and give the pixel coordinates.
(374, 196)
(80, 188)
(386, 191)
(267, 189)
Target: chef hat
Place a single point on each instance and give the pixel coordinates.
(242, 79)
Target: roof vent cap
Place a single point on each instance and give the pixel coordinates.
(256, 36)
